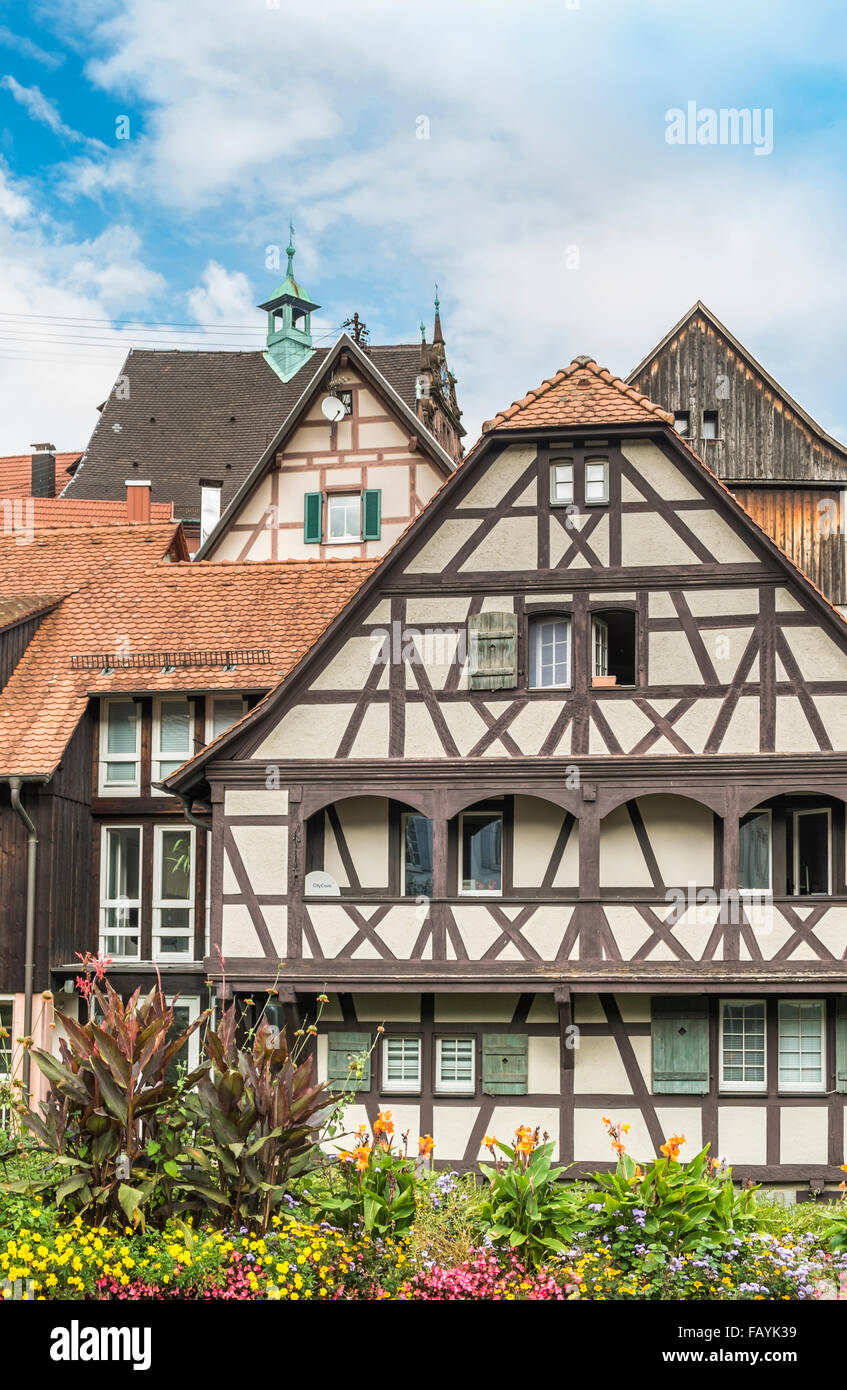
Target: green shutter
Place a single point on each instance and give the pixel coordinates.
(841, 1044)
(493, 642)
(371, 514)
(680, 1045)
(505, 1064)
(313, 521)
(343, 1047)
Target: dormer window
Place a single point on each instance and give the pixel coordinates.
(561, 484)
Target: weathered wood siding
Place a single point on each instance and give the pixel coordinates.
(807, 523)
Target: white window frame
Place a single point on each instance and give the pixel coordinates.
(160, 903)
(106, 903)
(462, 1088)
(192, 1002)
(554, 483)
(331, 497)
(478, 892)
(210, 712)
(408, 1086)
(802, 1087)
(157, 756)
(536, 624)
(812, 811)
(744, 1087)
(104, 786)
(599, 629)
(756, 892)
(597, 501)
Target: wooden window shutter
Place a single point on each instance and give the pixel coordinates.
(841, 1044)
(342, 1048)
(505, 1064)
(313, 519)
(680, 1045)
(493, 651)
(371, 513)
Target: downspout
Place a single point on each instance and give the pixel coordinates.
(15, 784)
(187, 803)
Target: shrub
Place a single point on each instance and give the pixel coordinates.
(526, 1205)
(485, 1275)
(378, 1185)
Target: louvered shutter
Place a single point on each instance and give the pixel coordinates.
(493, 651)
(841, 1044)
(505, 1064)
(680, 1045)
(313, 519)
(371, 514)
(342, 1048)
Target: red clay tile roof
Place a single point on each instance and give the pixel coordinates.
(581, 394)
(15, 610)
(16, 473)
(62, 511)
(159, 607)
(62, 558)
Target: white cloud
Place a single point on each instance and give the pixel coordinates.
(222, 297)
(19, 43)
(44, 111)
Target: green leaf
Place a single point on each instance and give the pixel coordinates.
(69, 1185)
(130, 1199)
(171, 1168)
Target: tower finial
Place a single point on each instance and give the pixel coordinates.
(289, 250)
(437, 306)
(437, 335)
(423, 331)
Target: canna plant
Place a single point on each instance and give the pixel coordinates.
(379, 1183)
(103, 1115)
(525, 1206)
(261, 1114)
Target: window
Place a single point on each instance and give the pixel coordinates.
(223, 713)
(596, 481)
(754, 852)
(186, 1009)
(682, 422)
(173, 739)
(710, 424)
(401, 1064)
(120, 747)
(801, 1045)
(454, 1064)
(743, 1045)
(120, 892)
(550, 653)
(481, 840)
(173, 893)
(210, 509)
(344, 517)
(561, 484)
(613, 647)
(417, 855)
(346, 399)
(808, 857)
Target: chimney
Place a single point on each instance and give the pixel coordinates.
(43, 477)
(137, 500)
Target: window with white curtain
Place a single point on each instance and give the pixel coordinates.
(401, 1064)
(173, 735)
(120, 747)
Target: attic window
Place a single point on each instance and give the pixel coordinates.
(682, 422)
(596, 481)
(210, 508)
(346, 399)
(613, 647)
(710, 424)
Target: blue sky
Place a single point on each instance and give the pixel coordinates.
(545, 201)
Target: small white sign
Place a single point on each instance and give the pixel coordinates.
(321, 885)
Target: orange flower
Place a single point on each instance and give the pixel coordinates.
(605, 1119)
(844, 1167)
(489, 1141)
(384, 1123)
(626, 1128)
(426, 1144)
(673, 1145)
(362, 1154)
(524, 1140)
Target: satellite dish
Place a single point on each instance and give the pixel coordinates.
(333, 409)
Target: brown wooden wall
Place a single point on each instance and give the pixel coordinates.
(759, 436)
(13, 643)
(799, 519)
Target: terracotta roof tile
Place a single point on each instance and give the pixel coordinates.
(581, 394)
(16, 473)
(64, 511)
(148, 608)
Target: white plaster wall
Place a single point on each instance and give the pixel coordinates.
(803, 1134)
(742, 1134)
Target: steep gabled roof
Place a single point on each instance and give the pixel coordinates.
(191, 415)
(638, 412)
(46, 512)
(581, 394)
(699, 310)
(275, 609)
(364, 361)
(59, 559)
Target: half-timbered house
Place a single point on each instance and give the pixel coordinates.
(554, 810)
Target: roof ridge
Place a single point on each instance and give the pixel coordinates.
(579, 364)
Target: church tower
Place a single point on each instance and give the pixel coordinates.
(437, 406)
(289, 313)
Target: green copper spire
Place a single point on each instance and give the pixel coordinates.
(289, 311)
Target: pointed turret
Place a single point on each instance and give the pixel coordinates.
(289, 311)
